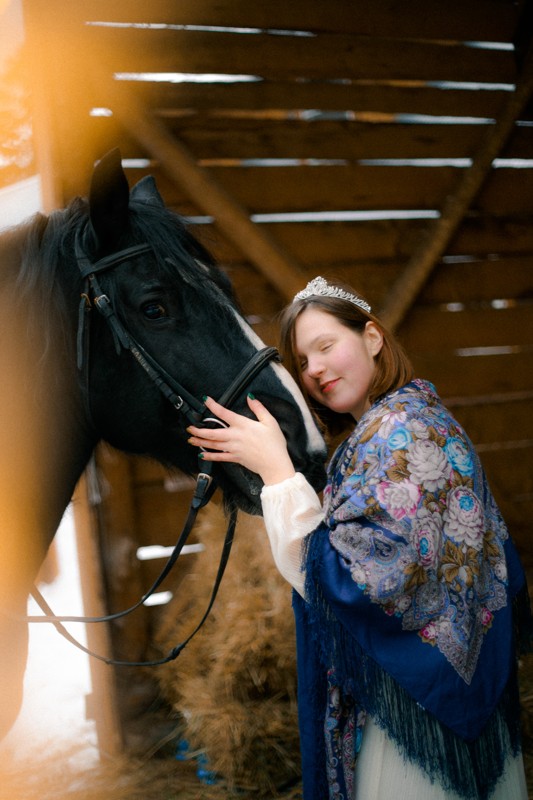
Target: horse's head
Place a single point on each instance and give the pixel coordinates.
(179, 308)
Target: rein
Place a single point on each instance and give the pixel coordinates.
(193, 410)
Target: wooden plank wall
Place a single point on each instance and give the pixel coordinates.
(344, 108)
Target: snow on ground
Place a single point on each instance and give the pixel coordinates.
(19, 201)
(52, 719)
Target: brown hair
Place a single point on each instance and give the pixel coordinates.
(393, 366)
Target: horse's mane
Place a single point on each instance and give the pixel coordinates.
(33, 252)
(39, 273)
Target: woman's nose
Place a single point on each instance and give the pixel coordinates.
(314, 367)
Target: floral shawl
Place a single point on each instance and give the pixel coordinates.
(410, 583)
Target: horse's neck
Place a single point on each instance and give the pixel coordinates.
(43, 449)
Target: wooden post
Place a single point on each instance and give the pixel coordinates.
(103, 709)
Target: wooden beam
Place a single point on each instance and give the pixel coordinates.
(102, 705)
(439, 234)
(427, 19)
(411, 97)
(369, 245)
(217, 137)
(324, 58)
(179, 163)
(435, 330)
(305, 188)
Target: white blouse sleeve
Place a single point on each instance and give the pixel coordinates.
(291, 510)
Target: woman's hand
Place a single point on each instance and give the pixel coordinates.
(259, 445)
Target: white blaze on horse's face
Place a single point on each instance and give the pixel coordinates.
(314, 439)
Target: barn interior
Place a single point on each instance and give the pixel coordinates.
(386, 144)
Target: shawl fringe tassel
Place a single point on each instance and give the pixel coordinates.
(469, 768)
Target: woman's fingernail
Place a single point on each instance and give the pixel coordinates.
(251, 396)
(204, 398)
(200, 455)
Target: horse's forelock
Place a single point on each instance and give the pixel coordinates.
(179, 254)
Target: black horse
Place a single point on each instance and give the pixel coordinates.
(69, 378)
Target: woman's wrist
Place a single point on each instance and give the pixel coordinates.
(278, 472)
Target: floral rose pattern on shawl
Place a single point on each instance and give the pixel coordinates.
(411, 514)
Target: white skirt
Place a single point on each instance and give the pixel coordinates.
(382, 773)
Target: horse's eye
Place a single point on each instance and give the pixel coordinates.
(154, 310)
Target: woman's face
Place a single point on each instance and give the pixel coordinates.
(337, 363)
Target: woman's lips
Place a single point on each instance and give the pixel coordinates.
(328, 386)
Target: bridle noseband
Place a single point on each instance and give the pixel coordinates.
(194, 412)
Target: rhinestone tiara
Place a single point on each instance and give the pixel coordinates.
(319, 287)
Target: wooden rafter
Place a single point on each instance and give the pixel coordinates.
(405, 290)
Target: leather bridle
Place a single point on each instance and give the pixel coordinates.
(194, 412)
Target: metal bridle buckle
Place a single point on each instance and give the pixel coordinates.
(211, 422)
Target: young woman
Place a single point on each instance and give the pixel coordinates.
(407, 586)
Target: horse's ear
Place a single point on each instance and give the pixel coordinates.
(145, 191)
(109, 198)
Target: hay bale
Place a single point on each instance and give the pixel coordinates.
(235, 683)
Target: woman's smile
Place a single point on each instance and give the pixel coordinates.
(328, 386)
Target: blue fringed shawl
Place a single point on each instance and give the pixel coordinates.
(410, 587)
